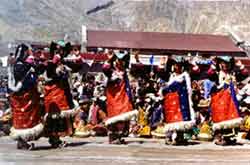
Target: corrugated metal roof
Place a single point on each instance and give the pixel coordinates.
(170, 42)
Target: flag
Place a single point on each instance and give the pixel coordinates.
(151, 60)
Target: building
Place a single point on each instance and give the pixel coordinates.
(163, 44)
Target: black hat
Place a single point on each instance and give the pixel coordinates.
(20, 53)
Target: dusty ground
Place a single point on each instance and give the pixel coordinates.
(92, 151)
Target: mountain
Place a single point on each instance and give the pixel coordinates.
(45, 20)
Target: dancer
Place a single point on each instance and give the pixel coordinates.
(179, 115)
(59, 105)
(224, 105)
(24, 98)
(119, 99)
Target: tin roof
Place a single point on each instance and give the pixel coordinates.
(177, 43)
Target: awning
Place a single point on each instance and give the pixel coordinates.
(160, 43)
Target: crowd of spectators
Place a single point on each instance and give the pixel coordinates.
(146, 83)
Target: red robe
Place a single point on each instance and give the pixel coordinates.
(118, 101)
(26, 109)
(56, 101)
(55, 94)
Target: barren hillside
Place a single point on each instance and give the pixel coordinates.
(44, 20)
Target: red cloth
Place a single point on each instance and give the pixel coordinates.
(54, 98)
(117, 100)
(223, 107)
(172, 108)
(25, 109)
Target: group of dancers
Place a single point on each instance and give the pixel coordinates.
(46, 110)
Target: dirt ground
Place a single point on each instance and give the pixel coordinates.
(95, 151)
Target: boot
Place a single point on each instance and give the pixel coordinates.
(54, 141)
(23, 145)
(63, 144)
(114, 138)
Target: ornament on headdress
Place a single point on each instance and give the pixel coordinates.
(225, 58)
(178, 59)
(61, 43)
(120, 54)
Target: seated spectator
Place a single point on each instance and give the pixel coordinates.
(96, 119)
(81, 119)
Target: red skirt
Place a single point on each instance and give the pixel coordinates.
(55, 99)
(55, 102)
(26, 109)
(172, 108)
(117, 100)
(223, 107)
